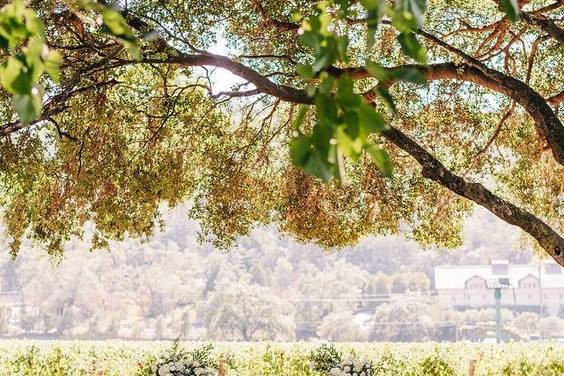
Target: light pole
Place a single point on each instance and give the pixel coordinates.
(540, 296)
(498, 284)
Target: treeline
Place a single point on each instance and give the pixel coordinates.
(270, 287)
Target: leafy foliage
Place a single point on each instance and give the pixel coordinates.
(22, 33)
(345, 121)
(120, 135)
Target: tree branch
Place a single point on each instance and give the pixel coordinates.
(433, 169)
(548, 125)
(545, 24)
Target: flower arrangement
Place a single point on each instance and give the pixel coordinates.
(179, 362)
(327, 360)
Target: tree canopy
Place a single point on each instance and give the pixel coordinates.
(351, 118)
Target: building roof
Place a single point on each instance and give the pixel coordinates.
(455, 277)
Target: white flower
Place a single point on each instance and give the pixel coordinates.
(164, 370)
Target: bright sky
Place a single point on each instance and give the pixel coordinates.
(222, 79)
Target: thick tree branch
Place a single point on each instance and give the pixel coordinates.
(433, 169)
(547, 123)
(546, 25)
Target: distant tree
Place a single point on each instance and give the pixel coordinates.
(159, 328)
(417, 281)
(5, 313)
(399, 283)
(380, 284)
(326, 291)
(341, 327)
(551, 327)
(526, 324)
(486, 315)
(402, 321)
(283, 273)
(185, 325)
(258, 275)
(248, 312)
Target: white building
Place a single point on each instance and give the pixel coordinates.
(465, 286)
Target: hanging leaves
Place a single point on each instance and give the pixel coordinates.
(22, 34)
(345, 122)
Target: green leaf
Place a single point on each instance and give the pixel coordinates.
(511, 8)
(412, 47)
(117, 26)
(412, 11)
(321, 136)
(341, 46)
(381, 159)
(352, 125)
(370, 120)
(33, 52)
(413, 75)
(374, 12)
(351, 147)
(326, 108)
(343, 5)
(300, 150)
(387, 97)
(33, 24)
(28, 106)
(15, 76)
(115, 23)
(326, 58)
(327, 83)
(319, 167)
(370, 38)
(299, 120)
(403, 21)
(312, 40)
(52, 63)
(345, 94)
(305, 71)
(377, 71)
(372, 5)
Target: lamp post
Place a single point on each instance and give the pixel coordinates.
(497, 284)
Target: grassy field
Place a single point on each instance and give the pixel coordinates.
(46, 358)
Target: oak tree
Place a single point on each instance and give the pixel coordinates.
(350, 118)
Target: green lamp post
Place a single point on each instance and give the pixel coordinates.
(497, 284)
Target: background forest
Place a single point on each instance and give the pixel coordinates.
(270, 287)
